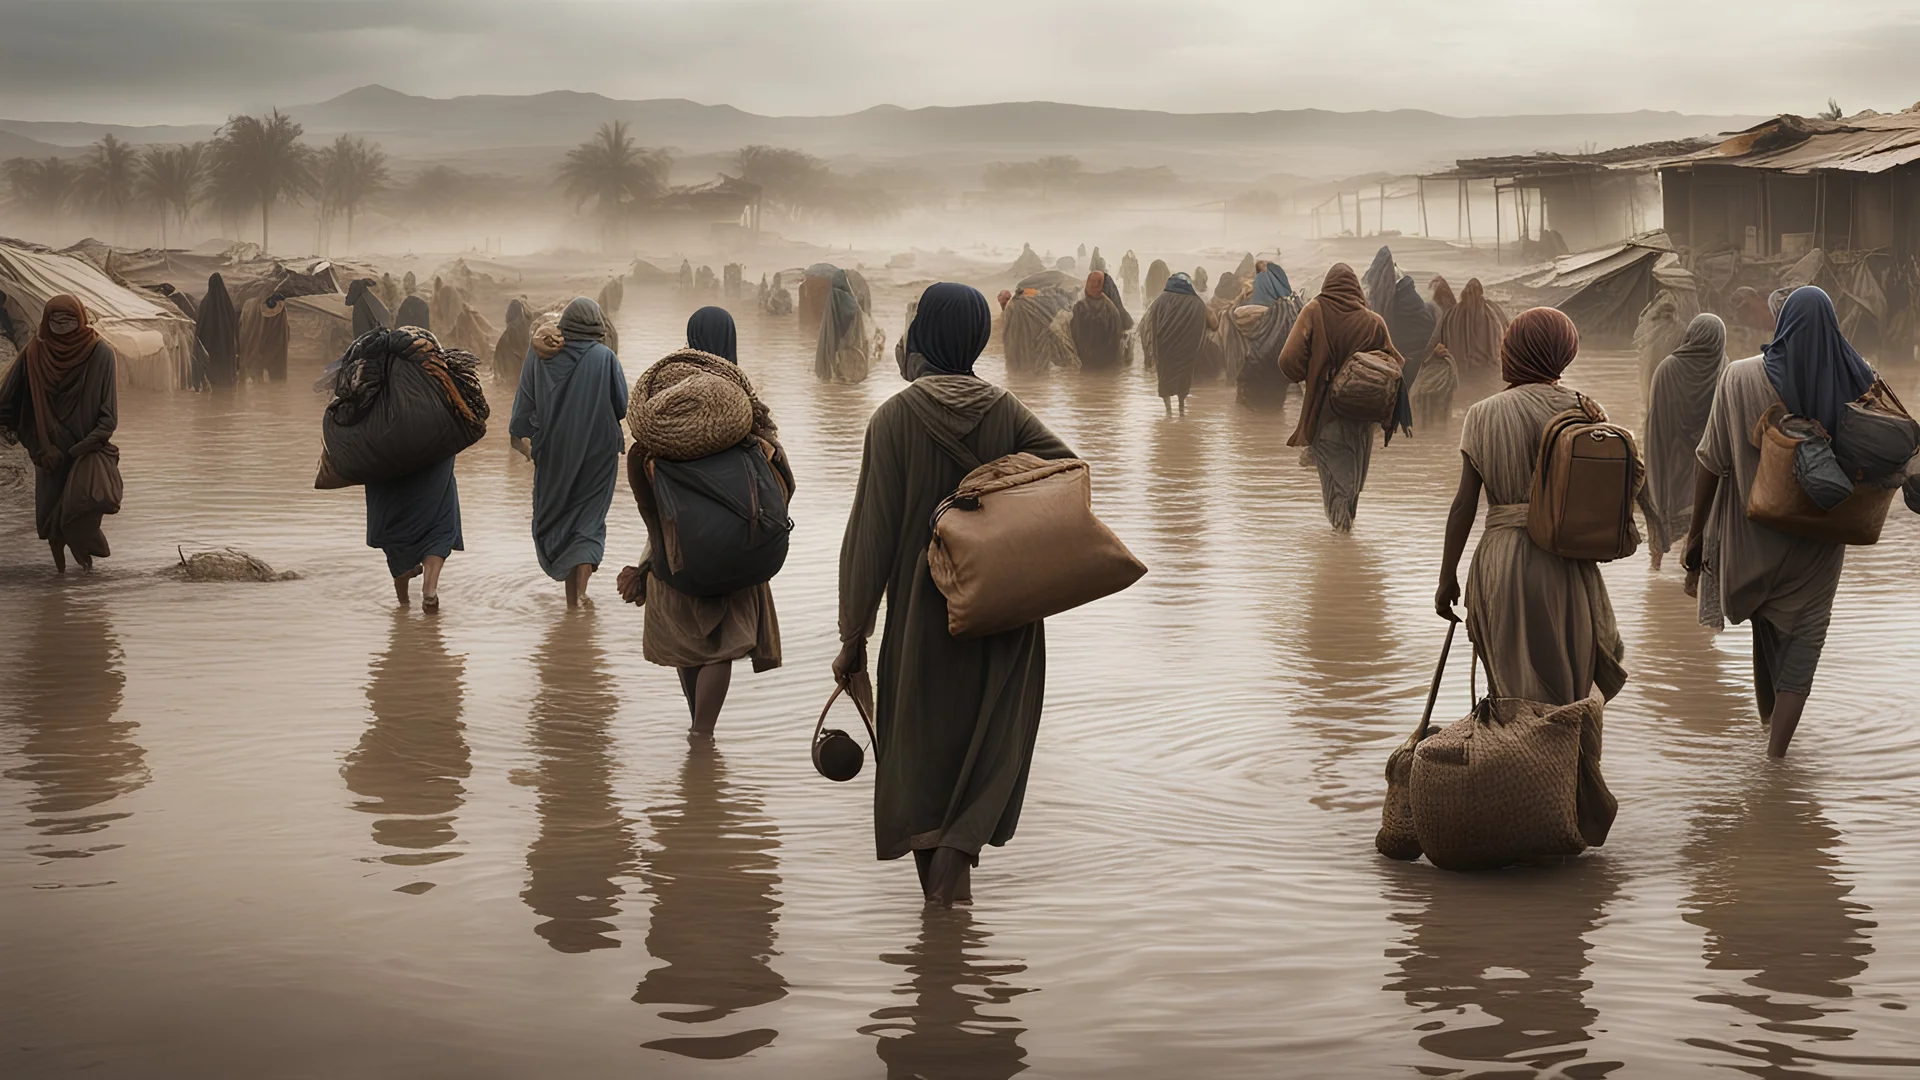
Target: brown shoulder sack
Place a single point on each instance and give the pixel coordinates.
(93, 484)
(1585, 480)
(1017, 541)
(1779, 502)
(1366, 388)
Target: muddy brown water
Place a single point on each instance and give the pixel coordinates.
(284, 830)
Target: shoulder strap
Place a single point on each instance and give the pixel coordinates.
(857, 695)
(922, 410)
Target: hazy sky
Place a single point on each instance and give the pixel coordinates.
(140, 61)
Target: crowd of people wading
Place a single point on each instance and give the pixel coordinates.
(1761, 470)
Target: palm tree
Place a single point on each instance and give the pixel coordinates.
(108, 173)
(260, 160)
(613, 173)
(350, 170)
(43, 186)
(173, 179)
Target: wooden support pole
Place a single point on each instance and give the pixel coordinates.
(1421, 184)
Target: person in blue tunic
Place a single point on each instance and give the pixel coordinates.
(415, 520)
(566, 418)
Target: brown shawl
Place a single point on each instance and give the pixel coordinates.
(1471, 329)
(1333, 326)
(1443, 297)
(52, 360)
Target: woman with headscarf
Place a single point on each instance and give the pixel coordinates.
(1096, 264)
(1264, 320)
(1430, 390)
(1100, 325)
(1410, 323)
(1175, 328)
(701, 636)
(1542, 626)
(1471, 331)
(414, 312)
(1677, 409)
(445, 307)
(471, 332)
(1038, 335)
(368, 312)
(59, 399)
(566, 417)
(1199, 279)
(1130, 273)
(181, 300)
(845, 350)
(1157, 275)
(956, 717)
(510, 352)
(1783, 584)
(779, 300)
(1443, 298)
(218, 331)
(1380, 280)
(263, 338)
(1331, 328)
(388, 291)
(1662, 326)
(409, 286)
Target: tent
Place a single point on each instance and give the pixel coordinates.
(1604, 290)
(151, 340)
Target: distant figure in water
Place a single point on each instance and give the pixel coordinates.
(1130, 273)
(1174, 332)
(218, 331)
(956, 717)
(778, 302)
(389, 292)
(510, 352)
(613, 294)
(368, 312)
(1784, 585)
(1096, 264)
(410, 286)
(845, 350)
(1678, 405)
(263, 338)
(566, 419)
(1332, 327)
(701, 636)
(1199, 279)
(1157, 275)
(1100, 325)
(59, 399)
(414, 312)
(686, 275)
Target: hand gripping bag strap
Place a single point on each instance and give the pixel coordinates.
(859, 706)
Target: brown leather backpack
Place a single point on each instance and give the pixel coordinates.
(1366, 388)
(1585, 480)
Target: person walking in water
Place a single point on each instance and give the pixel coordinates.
(956, 717)
(1783, 584)
(701, 636)
(1332, 327)
(59, 398)
(1677, 408)
(566, 419)
(1175, 331)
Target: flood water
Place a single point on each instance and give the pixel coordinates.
(283, 830)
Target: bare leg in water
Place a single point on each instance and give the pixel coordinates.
(577, 584)
(59, 556)
(430, 582)
(1779, 710)
(947, 877)
(400, 586)
(706, 690)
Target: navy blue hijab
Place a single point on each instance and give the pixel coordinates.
(1180, 283)
(950, 328)
(1271, 286)
(711, 330)
(1810, 363)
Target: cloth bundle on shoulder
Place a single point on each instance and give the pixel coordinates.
(1366, 389)
(1779, 498)
(400, 404)
(1017, 541)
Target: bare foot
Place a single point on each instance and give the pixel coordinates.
(59, 557)
(400, 586)
(946, 871)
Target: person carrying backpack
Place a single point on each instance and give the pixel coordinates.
(700, 636)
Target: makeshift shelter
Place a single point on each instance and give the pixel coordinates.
(152, 341)
(1604, 290)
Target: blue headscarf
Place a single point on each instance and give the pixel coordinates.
(1270, 286)
(1180, 283)
(711, 330)
(950, 328)
(1810, 363)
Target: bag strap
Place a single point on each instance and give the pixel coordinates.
(953, 447)
(1433, 691)
(859, 705)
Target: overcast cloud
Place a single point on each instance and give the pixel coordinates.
(184, 61)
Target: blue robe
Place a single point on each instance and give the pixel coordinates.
(414, 516)
(570, 405)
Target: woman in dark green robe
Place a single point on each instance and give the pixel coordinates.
(956, 717)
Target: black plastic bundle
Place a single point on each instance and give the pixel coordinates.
(401, 403)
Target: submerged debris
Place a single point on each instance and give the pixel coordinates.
(225, 564)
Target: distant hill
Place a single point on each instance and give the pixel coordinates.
(13, 146)
(1299, 141)
(64, 134)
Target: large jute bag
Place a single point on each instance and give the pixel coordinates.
(1504, 784)
(1017, 541)
(1779, 502)
(1366, 388)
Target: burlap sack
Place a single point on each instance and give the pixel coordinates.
(696, 417)
(680, 364)
(1502, 784)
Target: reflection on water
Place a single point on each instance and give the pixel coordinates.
(411, 760)
(63, 696)
(713, 877)
(956, 1025)
(1348, 672)
(585, 843)
(1766, 888)
(1496, 963)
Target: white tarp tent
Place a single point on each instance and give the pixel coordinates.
(152, 341)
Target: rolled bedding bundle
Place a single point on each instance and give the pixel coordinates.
(400, 403)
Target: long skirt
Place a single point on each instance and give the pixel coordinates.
(681, 631)
(1342, 451)
(414, 516)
